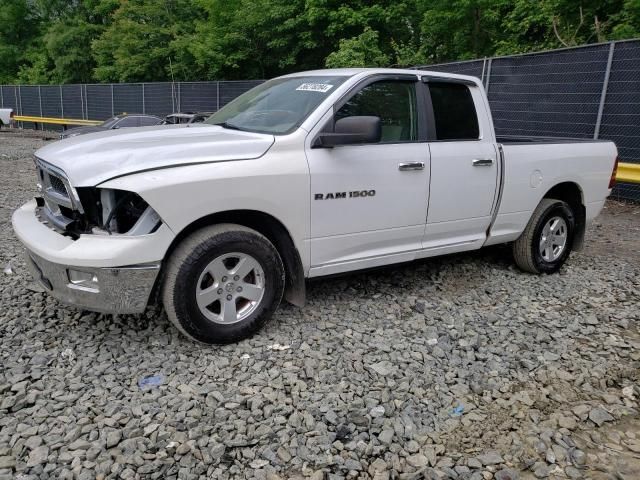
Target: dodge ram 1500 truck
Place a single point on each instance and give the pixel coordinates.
(308, 174)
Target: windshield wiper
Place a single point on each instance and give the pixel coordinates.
(228, 125)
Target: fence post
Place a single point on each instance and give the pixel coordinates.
(179, 96)
(40, 104)
(1, 97)
(143, 106)
(173, 100)
(112, 108)
(488, 75)
(217, 95)
(61, 103)
(603, 94)
(81, 101)
(18, 95)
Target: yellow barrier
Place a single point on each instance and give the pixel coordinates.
(628, 172)
(55, 121)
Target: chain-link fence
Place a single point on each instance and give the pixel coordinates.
(587, 92)
(101, 101)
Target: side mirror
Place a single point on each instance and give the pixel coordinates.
(350, 131)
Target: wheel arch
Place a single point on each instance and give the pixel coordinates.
(571, 193)
(276, 233)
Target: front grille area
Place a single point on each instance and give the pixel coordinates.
(57, 185)
(59, 207)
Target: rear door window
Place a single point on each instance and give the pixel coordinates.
(454, 112)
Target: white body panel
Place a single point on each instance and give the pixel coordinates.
(385, 220)
(89, 250)
(532, 170)
(276, 184)
(188, 173)
(91, 159)
(457, 225)
(5, 116)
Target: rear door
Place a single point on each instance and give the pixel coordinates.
(464, 166)
(369, 201)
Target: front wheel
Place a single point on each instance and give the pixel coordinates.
(223, 283)
(547, 240)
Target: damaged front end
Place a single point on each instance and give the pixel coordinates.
(90, 210)
(90, 247)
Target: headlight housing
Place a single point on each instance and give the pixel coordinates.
(117, 212)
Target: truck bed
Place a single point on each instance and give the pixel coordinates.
(525, 140)
(534, 165)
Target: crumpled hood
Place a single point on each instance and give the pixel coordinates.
(89, 160)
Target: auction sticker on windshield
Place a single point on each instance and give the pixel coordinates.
(315, 87)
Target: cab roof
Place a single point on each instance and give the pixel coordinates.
(350, 72)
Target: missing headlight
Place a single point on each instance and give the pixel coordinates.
(120, 212)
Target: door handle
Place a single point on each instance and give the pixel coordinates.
(482, 162)
(404, 166)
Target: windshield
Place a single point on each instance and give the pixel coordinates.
(278, 106)
(110, 123)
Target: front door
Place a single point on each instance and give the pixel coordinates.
(369, 202)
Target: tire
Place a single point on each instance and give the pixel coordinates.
(529, 252)
(202, 269)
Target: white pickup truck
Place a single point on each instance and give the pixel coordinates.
(6, 116)
(309, 174)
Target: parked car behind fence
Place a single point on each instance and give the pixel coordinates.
(119, 121)
(186, 118)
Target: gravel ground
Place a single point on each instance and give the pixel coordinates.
(460, 367)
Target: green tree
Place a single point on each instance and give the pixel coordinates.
(461, 29)
(137, 44)
(19, 28)
(396, 25)
(66, 43)
(249, 38)
(531, 26)
(626, 24)
(360, 51)
(153, 40)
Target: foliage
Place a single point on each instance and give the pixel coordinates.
(18, 30)
(66, 41)
(360, 51)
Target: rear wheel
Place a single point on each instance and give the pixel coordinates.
(223, 283)
(546, 242)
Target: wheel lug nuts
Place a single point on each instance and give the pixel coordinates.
(224, 279)
(229, 297)
(236, 278)
(239, 289)
(219, 290)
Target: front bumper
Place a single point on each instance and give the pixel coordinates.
(108, 290)
(112, 274)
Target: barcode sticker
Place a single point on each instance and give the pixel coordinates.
(315, 87)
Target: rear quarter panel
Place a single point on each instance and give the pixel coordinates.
(531, 170)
